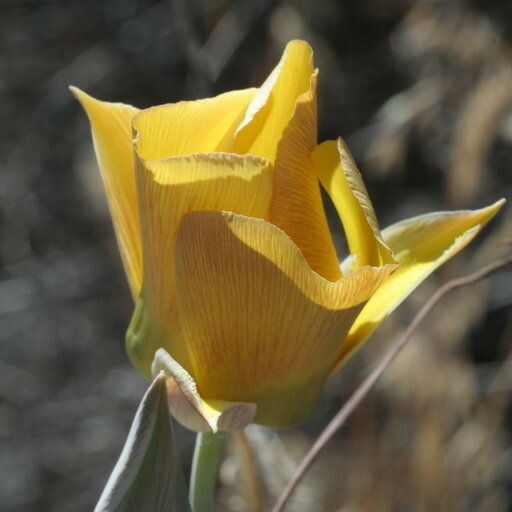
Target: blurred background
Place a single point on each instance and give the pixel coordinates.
(422, 92)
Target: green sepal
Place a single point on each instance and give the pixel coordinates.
(148, 475)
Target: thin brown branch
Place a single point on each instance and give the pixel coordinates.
(348, 408)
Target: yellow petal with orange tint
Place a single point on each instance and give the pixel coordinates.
(260, 326)
(112, 136)
(274, 104)
(297, 206)
(187, 127)
(281, 124)
(342, 180)
(167, 190)
(420, 245)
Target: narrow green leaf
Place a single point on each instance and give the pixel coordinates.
(147, 475)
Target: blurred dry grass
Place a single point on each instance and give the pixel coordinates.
(422, 92)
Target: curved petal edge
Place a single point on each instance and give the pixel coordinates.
(421, 245)
(112, 137)
(189, 408)
(342, 180)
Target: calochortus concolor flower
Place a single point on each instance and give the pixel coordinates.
(240, 296)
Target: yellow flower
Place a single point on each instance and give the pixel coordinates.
(218, 214)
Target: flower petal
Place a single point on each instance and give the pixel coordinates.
(259, 325)
(189, 408)
(167, 190)
(420, 244)
(187, 127)
(273, 106)
(112, 137)
(342, 180)
(297, 206)
(281, 124)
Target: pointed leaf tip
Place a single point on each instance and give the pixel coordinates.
(147, 475)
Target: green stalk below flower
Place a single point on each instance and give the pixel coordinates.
(205, 466)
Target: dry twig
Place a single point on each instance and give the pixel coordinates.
(357, 397)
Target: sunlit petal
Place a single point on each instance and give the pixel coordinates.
(342, 180)
(167, 190)
(281, 124)
(420, 244)
(259, 325)
(188, 127)
(297, 206)
(274, 104)
(112, 137)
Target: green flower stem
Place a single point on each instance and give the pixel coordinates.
(205, 466)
